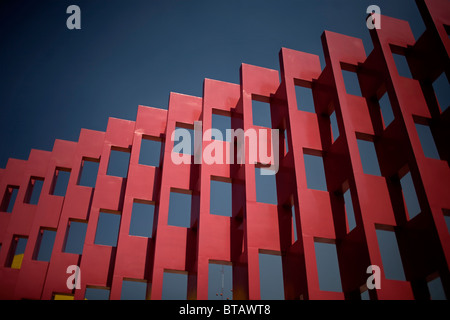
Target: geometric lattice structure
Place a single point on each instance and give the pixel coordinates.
(254, 227)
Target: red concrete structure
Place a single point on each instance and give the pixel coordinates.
(255, 227)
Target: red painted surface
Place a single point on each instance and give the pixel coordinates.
(256, 227)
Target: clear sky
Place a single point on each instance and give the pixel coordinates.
(55, 81)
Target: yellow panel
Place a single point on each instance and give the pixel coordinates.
(63, 297)
(17, 261)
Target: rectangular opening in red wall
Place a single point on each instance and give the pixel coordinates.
(304, 95)
(97, 293)
(221, 196)
(220, 280)
(315, 170)
(180, 203)
(349, 212)
(385, 105)
(401, 63)
(108, 226)
(88, 172)
(175, 285)
(134, 289)
(327, 265)
(261, 111)
(60, 181)
(294, 223)
(426, 138)
(75, 236)
(150, 152)
(410, 199)
(271, 275)
(44, 244)
(34, 190)
(184, 139)
(9, 198)
(265, 184)
(368, 154)
(142, 216)
(435, 287)
(446, 213)
(441, 89)
(334, 126)
(351, 81)
(119, 161)
(16, 252)
(221, 122)
(390, 252)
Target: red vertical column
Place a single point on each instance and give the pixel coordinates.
(302, 134)
(75, 204)
(261, 228)
(175, 247)
(97, 260)
(134, 257)
(312, 207)
(216, 233)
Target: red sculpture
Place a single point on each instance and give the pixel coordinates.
(424, 241)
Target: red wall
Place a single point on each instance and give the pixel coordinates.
(255, 227)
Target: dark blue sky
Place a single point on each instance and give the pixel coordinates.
(55, 81)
